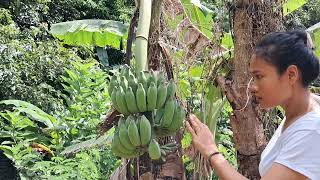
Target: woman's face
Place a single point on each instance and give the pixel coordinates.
(269, 88)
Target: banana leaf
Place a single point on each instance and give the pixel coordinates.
(91, 32)
(292, 5)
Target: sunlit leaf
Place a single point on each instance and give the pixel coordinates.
(292, 5)
(227, 41)
(91, 32)
(200, 16)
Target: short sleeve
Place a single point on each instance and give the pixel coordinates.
(300, 152)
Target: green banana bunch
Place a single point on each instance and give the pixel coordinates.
(132, 136)
(146, 91)
(135, 132)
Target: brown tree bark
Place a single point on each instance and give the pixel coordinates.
(154, 33)
(251, 20)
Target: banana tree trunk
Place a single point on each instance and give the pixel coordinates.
(142, 35)
(251, 20)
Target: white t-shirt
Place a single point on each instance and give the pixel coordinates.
(297, 148)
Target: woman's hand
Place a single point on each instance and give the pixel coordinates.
(202, 138)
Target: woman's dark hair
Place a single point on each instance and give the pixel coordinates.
(283, 49)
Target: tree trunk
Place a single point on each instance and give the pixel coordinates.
(251, 20)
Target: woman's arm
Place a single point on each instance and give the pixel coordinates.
(279, 171)
(203, 141)
(224, 170)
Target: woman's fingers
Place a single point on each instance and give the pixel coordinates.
(190, 129)
(195, 120)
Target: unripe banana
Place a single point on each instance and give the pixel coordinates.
(113, 83)
(131, 101)
(133, 83)
(152, 97)
(124, 138)
(125, 71)
(171, 89)
(152, 78)
(161, 95)
(121, 103)
(124, 82)
(133, 133)
(128, 120)
(145, 130)
(143, 80)
(118, 146)
(141, 98)
(154, 150)
(114, 99)
(158, 116)
(178, 118)
(168, 113)
(129, 74)
(161, 78)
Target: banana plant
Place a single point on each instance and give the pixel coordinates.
(142, 35)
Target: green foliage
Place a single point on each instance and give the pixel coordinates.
(34, 12)
(200, 15)
(317, 42)
(5, 17)
(304, 17)
(30, 70)
(87, 99)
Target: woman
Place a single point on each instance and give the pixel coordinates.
(282, 66)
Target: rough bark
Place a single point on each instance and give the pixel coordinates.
(251, 20)
(154, 33)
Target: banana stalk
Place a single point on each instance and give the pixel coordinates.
(142, 35)
(213, 104)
